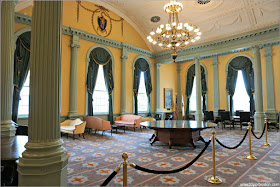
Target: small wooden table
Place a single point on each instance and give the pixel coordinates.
(11, 150)
(177, 131)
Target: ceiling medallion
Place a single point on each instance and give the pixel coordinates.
(174, 35)
(155, 19)
(203, 2)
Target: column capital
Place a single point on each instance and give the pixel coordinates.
(75, 41)
(268, 52)
(196, 58)
(124, 54)
(215, 61)
(124, 57)
(256, 48)
(157, 66)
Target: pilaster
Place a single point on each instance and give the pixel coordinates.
(271, 113)
(216, 85)
(44, 162)
(7, 51)
(259, 114)
(73, 78)
(179, 94)
(198, 113)
(123, 80)
(157, 77)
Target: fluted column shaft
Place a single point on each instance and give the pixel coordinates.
(123, 80)
(271, 113)
(73, 78)
(44, 162)
(179, 94)
(216, 85)
(7, 50)
(198, 113)
(259, 114)
(157, 77)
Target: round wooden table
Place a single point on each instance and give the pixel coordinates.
(177, 131)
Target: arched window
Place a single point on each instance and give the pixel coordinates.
(235, 82)
(20, 103)
(142, 86)
(100, 82)
(100, 97)
(23, 107)
(241, 100)
(191, 89)
(142, 95)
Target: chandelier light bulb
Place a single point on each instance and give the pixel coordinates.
(154, 42)
(174, 24)
(196, 30)
(177, 44)
(149, 37)
(152, 33)
(190, 28)
(186, 25)
(187, 42)
(199, 33)
(193, 40)
(160, 44)
(151, 40)
(169, 45)
(162, 26)
(197, 38)
(167, 36)
(179, 35)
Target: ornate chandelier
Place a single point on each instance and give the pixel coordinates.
(174, 35)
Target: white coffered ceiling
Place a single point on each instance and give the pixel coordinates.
(216, 19)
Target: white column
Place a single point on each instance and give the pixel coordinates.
(271, 113)
(7, 64)
(216, 85)
(179, 94)
(198, 113)
(259, 114)
(123, 80)
(157, 86)
(44, 162)
(73, 78)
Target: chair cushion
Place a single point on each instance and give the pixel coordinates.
(124, 122)
(75, 122)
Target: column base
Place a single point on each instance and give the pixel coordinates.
(215, 112)
(271, 114)
(198, 116)
(8, 128)
(73, 115)
(259, 121)
(158, 110)
(123, 112)
(43, 164)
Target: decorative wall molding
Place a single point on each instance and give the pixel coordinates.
(268, 36)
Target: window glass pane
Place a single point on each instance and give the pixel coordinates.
(100, 95)
(241, 100)
(193, 96)
(23, 108)
(142, 95)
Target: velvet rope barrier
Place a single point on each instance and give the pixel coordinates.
(234, 146)
(172, 171)
(113, 174)
(261, 134)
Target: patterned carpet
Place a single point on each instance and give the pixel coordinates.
(92, 160)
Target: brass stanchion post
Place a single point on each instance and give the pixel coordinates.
(124, 156)
(250, 156)
(214, 179)
(266, 144)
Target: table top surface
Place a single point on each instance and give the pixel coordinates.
(178, 124)
(12, 147)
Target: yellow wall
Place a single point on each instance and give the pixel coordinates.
(276, 70)
(168, 79)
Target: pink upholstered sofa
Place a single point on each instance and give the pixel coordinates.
(97, 124)
(128, 120)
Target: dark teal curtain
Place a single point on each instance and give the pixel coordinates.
(141, 65)
(21, 67)
(100, 56)
(189, 86)
(244, 64)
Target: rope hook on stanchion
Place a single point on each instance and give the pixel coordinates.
(250, 156)
(266, 144)
(125, 163)
(214, 179)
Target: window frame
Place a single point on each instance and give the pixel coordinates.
(85, 78)
(150, 96)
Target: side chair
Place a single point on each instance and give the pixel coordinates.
(226, 120)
